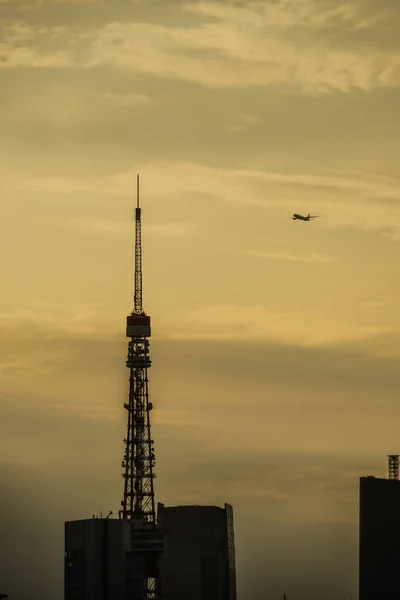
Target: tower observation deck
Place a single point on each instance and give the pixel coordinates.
(138, 504)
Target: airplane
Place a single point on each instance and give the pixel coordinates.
(301, 218)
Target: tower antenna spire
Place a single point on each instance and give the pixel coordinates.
(138, 297)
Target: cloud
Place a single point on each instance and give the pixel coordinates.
(128, 100)
(39, 362)
(266, 342)
(67, 1)
(278, 410)
(298, 45)
(24, 56)
(103, 226)
(173, 417)
(30, 5)
(34, 46)
(57, 494)
(244, 122)
(306, 46)
(24, 44)
(311, 257)
(301, 14)
(59, 185)
(362, 201)
(373, 304)
(185, 176)
(247, 118)
(231, 322)
(171, 229)
(51, 322)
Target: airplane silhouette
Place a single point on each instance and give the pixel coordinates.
(301, 218)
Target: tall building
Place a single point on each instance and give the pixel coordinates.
(96, 563)
(199, 559)
(379, 531)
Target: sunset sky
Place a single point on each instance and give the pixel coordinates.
(276, 343)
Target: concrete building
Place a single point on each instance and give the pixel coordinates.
(199, 559)
(379, 545)
(98, 562)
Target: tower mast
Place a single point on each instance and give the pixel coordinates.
(138, 504)
(393, 466)
(138, 297)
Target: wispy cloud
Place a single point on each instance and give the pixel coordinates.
(248, 118)
(313, 15)
(101, 226)
(373, 304)
(174, 417)
(302, 45)
(311, 257)
(244, 121)
(186, 176)
(23, 56)
(310, 329)
(344, 200)
(128, 100)
(38, 362)
(106, 227)
(28, 45)
(56, 187)
(171, 229)
(74, 321)
(30, 5)
(258, 43)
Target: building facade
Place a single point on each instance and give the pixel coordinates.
(199, 559)
(98, 564)
(379, 541)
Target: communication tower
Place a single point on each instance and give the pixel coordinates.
(393, 466)
(138, 505)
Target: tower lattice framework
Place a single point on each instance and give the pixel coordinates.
(393, 466)
(138, 504)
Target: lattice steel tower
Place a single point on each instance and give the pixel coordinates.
(138, 505)
(393, 466)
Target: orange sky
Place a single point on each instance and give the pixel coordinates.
(275, 343)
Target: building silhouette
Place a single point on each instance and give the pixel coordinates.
(379, 531)
(96, 563)
(199, 559)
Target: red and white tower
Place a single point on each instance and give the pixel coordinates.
(138, 505)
